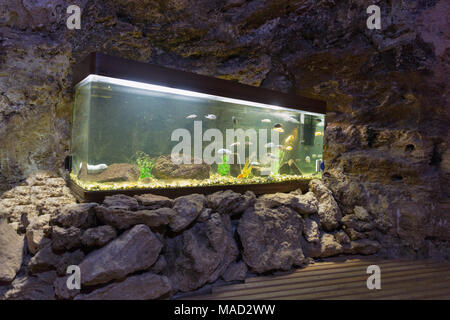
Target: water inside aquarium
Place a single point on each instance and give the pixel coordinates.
(133, 135)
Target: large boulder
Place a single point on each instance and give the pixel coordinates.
(231, 202)
(145, 286)
(121, 201)
(64, 239)
(271, 237)
(301, 203)
(11, 251)
(152, 201)
(200, 254)
(188, 208)
(35, 287)
(79, 215)
(46, 260)
(136, 249)
(165, 168)
(329, 213)
(121, 218)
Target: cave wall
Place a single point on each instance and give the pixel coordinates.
(387, 92)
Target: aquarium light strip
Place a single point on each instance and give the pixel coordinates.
(158, 88)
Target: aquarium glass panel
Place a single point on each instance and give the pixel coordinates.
(129, 135)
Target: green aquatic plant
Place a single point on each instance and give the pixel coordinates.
(145, 164)
(223, 168)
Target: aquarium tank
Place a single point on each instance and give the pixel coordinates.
(129, 134)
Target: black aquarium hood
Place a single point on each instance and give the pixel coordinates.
(115, 67)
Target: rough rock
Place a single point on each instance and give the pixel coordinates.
(329, 212)
(11, 252)
(37, 233)
(79, 215)
(327, 247)
(36, 287)
(342, 237)
(46, 260)
(152, 201)
(121, 201)
(123, 219)
(145, 286)
(200, 254)
(235, 272)
(136, 249)
(64, 239)
(188, 208)
(303, 203)
(231, 202)
(61, 289)
(351, 221)
(98, 237)
(271, 238)
(165, 168)
(354, 235)
(311, 230)
(363, 246)
(68, 259)
(116, 172)
(159, 266)
(361, 214)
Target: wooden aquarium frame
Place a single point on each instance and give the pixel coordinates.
(114, 67)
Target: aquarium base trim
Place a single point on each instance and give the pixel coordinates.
(83, 195)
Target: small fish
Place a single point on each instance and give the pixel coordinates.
(272, 156)
(314, 155)
(192, 116)
(235, 144)
(308, 159)
(234, 119)
(96, 167)
(269, 145)
(289, 139)
(289, 148)
(266, 121)
(255, 163)
(277, 125)
(317, 133)
(223, 151)
(211, 116)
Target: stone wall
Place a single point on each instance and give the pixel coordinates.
(148, 246)
(387, 91)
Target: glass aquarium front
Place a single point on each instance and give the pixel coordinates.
(131, 135)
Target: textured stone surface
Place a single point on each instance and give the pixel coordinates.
(326, 247)
(37, 233)
(235, 272)
(303, 204)
(329, 211)
(121, 201)
(165, 168)
(146, 286)
(79, 215)
(271, 237)
(153, 201)
(11, 252)
(363, 246)
(136, 249)
(200, 254)
(36, 287)
(188, 208)
(65, 238)
(98, 237)
(311, 230)
(230, 202)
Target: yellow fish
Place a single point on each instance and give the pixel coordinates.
(318, 133)
(279, 129)
(245, 171)
(289, 148)
(289, 139)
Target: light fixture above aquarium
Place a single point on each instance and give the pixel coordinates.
(139, 128)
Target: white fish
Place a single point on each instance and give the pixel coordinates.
(235, 144)
(269, 145)
(308, 159)
(255, 163)
(314, 156)
(286, 117)
(95, 167)
(272, 156)
(223, 151)
(192, 116)
(211, 117)
(266, 121)
(248, 143)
